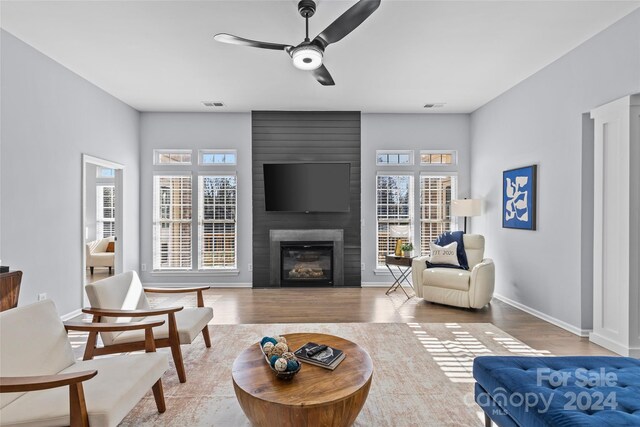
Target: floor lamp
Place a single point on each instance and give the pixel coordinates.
(466, 208)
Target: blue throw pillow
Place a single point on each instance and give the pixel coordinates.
(450, 237)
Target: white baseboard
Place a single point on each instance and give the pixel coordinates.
(609, 344)
(375, 284)
(560, 323)
(71, 315)
(184, 285)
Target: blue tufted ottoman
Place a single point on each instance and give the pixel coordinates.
(558, 391)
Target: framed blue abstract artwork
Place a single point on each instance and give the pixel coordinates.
(519, 198)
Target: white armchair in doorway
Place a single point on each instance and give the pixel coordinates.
(97, 254)
(471, 288)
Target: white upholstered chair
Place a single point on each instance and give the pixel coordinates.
(471, 288)
(97, 255)
(43, 385)
(121, 298)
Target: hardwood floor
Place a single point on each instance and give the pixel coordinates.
(371, 305)
(99, 273)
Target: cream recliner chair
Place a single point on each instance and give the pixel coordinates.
(471, 288)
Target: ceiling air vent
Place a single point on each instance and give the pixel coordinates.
(434, 105)
(213, 104)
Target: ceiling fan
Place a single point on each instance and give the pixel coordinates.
(308, 55)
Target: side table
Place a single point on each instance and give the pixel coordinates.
(402, 273)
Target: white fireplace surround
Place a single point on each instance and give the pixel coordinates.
(278, 236)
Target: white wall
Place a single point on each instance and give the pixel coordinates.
(196, 131)
(406, 132)
(540, 121)
(50, 117)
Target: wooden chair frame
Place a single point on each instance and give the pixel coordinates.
(78, 414)
(173, 341)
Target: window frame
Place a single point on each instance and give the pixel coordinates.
(156, 210)
(101, 220)
(453, 153)
(379, 264)
(203, 152)
(159, 151)
(101, 169)
(453, 221)
(411, 154)
(200, 221)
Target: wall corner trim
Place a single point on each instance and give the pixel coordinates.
(540, 315)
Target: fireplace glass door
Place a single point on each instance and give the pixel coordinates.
(306, 263)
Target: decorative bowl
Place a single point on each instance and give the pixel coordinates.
(285, 375)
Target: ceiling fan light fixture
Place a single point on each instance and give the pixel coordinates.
(307, 57)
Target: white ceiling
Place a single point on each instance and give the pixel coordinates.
(160, 55)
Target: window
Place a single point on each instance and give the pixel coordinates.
(217, 222)
(105, 172)
(401, 157)
(394, 205)
(436, 193)
(171, 157)
(217, 157)
(438, 158)
(179, 243)
(172, 222)
(105, 211)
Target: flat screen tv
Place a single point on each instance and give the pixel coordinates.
(307, 187)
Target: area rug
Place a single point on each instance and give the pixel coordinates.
(422, 373)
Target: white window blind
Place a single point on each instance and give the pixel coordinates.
(217, 222)
(436, 193)
(394, 206)
(172, 222)
(105, 211)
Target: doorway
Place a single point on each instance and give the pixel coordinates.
(102, 207)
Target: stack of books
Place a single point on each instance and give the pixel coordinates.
(320, 355)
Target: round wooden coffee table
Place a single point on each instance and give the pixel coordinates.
(314, 397)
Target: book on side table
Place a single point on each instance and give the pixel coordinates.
(320, 355)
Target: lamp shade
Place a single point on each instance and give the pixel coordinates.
(401, 231)
(466, 207)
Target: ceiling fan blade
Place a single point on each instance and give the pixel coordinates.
(230, 39)
(347, 22)
(322, 75)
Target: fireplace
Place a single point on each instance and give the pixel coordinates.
(306, 263)
(306, 258)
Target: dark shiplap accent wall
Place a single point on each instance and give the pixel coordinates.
(282, 137)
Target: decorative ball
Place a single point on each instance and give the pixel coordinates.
(293, 365)
(281, 364)
(289, 356)
(280, 348)
(281, 339)
(272, 360)
(268, 339)
(268, 348)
